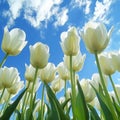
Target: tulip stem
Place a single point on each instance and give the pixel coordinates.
(114, 88)
(73, 89)
(6, 104)
(41, 115)
(25, 98)
(4, 59)
(2, 93)
(110, 105)
(31, 100)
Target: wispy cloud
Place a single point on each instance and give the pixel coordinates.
(83, 4)
(35, 11)
(61, 17)
(102, 10)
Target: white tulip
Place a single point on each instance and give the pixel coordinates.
(106, 63)
(77, 61)
(9, 76)
(63, 72)
(29, 73)
(39, 54)
(70, 41)
(14, 41)
(95, 36)
(47, 74)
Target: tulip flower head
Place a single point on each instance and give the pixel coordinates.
(14, 41)
(77, 61)
(88, 91)
(63, 71)
(29, 73)
(9, 76)
(95, 36)
(39, 54)
(116, 59)
(47, 74)
(70, 42)
(106, 63)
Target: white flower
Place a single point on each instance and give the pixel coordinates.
(9, 76)
(96, 81)
(63, 71)
(14, 41)
(29, 73)
(36, 85)
(70, 42)
(16, 87)
(39, 54)
(57, 84)
(95, 36)
(88, 91)
(106, 63)
(77, 61)
(47, 74)
(116, 59)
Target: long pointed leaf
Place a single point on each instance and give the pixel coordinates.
(81, 110)
(57, 112)
(8, 112)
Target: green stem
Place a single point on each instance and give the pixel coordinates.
(6, 104)
(2, 93)
(65, 94)
(25, 97)
(73, 89)
(31, 98)
(114, 88)
(110, 105)
(4, 59)
(42, 103)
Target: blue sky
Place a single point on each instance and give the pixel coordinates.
(44, 20)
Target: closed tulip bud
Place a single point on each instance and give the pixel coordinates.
(39, 54)
(57, 84)
(29, 73)
(116, 59)
(47, 74)
(14, 41)
(63, 71)
(96, 80)
(36, 86)
(16, 87)
(95, 36)
(77, 61)
(88, 91)
(70, 41)
(106, 63)
(9, 76)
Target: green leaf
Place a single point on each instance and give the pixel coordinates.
(106, 112)
(9, 111)
(56, 112)
(93, 113)
(117, 108)
(81, 110)
(65, 103)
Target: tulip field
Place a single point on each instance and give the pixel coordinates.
(83, 99)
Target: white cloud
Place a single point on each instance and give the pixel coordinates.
(84, 4)
(34, 11)
(61, 17)
(102, 9)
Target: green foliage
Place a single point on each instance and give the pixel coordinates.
(56, 111)
(93, 113)
(81, 110)
(10, 109)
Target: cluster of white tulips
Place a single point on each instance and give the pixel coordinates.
(85, 99)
